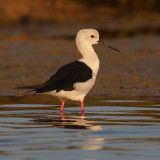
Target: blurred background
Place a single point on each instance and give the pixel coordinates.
(37, 37)
(65, 11)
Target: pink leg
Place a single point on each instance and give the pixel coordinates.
(82, 108)
(61, 110)
(62, 106)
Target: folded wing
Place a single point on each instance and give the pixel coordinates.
(64, 78)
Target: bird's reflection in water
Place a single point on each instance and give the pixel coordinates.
(63, 115)
(78, 122)
(89, 142)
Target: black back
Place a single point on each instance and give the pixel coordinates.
(65, 77)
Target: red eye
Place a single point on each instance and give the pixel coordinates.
(92, 36)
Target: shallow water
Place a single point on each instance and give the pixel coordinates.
(111, 129)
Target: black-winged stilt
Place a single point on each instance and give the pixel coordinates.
(74, 80)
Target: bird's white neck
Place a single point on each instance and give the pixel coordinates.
(89, 56)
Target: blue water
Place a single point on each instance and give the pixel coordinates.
(111, 129)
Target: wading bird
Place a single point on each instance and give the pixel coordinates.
(74, 80)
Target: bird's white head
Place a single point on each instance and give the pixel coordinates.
(88, 36)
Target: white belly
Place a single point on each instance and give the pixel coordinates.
(79, 92)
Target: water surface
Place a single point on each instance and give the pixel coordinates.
(111, 129)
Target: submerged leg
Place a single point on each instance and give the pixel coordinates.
(82, 108)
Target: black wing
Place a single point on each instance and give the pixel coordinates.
(65, 78)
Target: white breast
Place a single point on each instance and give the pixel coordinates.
(92, 62)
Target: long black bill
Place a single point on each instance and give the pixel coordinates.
(104, 44)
